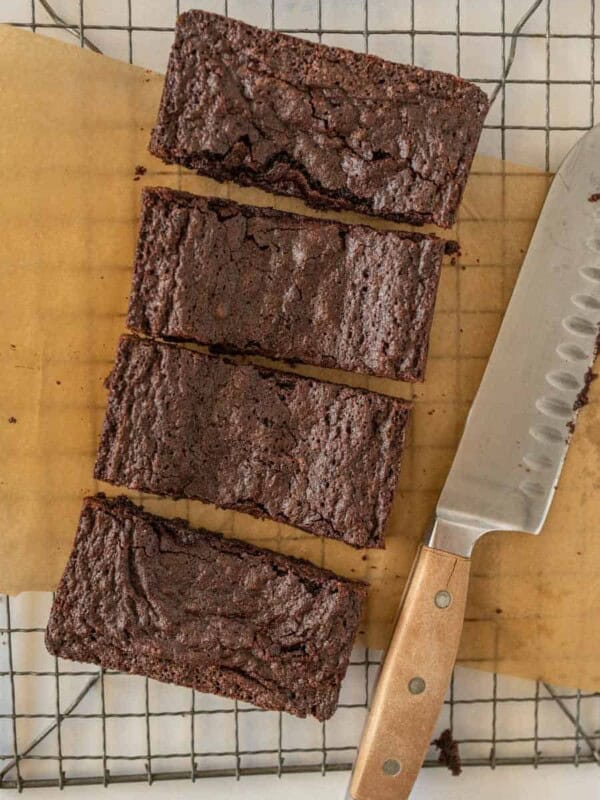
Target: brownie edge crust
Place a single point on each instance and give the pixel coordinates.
(155, 597)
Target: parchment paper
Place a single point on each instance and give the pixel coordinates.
(73, 128)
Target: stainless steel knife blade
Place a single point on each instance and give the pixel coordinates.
(505, 471)
(518, 430)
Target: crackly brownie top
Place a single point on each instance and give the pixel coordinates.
(392, 139)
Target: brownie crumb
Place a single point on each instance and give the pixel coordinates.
(498, 611)
(449, 754)
(58, 383)
(570, 427)
(452, 248)
(140, 170)
(364, 558)
(13, 346)
(593, 198)
(583, 398)
(431, 413)
(12, 420)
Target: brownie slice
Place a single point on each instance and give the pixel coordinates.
(316, 455)
(339, 129)
(245, 279)
(155, 597)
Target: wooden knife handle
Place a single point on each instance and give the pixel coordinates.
(414, 677)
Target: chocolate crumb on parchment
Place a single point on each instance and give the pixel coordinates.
(12, 420)
(449, 753)
(452, 249)
(593, 198)
(583, 398)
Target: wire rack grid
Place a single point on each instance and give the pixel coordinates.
(68, 724)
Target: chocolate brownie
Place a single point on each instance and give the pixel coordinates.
(316, 455)
(155, 597)
(341, 130)
(245, 279)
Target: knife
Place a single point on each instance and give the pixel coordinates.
(504, 473)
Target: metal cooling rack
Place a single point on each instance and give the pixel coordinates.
(65, 724)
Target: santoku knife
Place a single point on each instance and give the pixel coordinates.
(505, 470)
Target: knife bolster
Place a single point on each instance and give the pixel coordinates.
(453, 537)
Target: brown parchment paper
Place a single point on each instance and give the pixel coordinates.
(73, 127)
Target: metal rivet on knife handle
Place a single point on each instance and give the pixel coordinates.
(416, 685)
(443, 599)
(391, 767)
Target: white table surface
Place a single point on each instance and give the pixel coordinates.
(505, 783)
